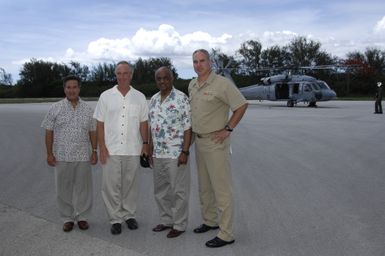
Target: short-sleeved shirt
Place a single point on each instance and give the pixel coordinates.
(168, 121)
(71, 127)
(211, 102)
(122, 116)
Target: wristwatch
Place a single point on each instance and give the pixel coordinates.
(228, 128)
(186, 152)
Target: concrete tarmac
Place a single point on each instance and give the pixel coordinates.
(307, 181)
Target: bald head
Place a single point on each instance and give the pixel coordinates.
(164, 80)
(164, 70)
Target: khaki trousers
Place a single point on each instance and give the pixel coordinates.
(73, 190)
(119, 187)
(215, 185)
(172, 192)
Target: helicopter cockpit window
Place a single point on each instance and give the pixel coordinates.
(315, 87)
(323, 85)
(307, 88)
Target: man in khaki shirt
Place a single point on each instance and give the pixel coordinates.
(211, 98)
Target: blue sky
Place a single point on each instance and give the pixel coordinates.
(91, 32)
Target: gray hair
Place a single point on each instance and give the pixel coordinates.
(123, 62)
(167, 69)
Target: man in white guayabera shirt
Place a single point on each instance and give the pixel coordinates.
(122, 131)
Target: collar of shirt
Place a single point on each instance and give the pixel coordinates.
(169, 97)
(69, 103)
(115, 90)
(208, 81)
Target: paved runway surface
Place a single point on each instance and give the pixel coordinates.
(307, 182)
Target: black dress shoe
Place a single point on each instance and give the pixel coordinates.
(217, 242)
(160, 228)
(132, 224)
(204, 228)
(116, 229)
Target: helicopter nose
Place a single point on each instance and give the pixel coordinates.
(329, 95)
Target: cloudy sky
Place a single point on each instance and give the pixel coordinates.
(97, 31)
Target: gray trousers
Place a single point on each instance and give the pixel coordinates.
(73, 190)
(119, 187)
(172, 192)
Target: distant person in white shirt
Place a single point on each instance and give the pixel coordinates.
(170, 138)
(122, 131)
(69, 136)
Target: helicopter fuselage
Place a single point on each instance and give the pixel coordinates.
(292, 89)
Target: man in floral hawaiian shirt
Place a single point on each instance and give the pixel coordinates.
(170, 138)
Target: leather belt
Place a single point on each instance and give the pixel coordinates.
(205, 135)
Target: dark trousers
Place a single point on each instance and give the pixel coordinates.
(378, 106)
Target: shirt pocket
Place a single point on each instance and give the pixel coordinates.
(133, 111)
(63, 120)
(208, 95)
(84, 122)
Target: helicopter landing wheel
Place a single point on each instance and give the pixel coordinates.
(290, 103)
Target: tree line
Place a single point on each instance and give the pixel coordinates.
(354, 75)
(40, 78)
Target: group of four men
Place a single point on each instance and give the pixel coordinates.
(127, 128)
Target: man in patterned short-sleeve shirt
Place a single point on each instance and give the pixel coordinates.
(170, 137)
(70, 133)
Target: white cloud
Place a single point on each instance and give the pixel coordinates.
(380, 26)
(165, 41)
(70, 53)
(110, 49)
(157, 42)
(280, 38)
